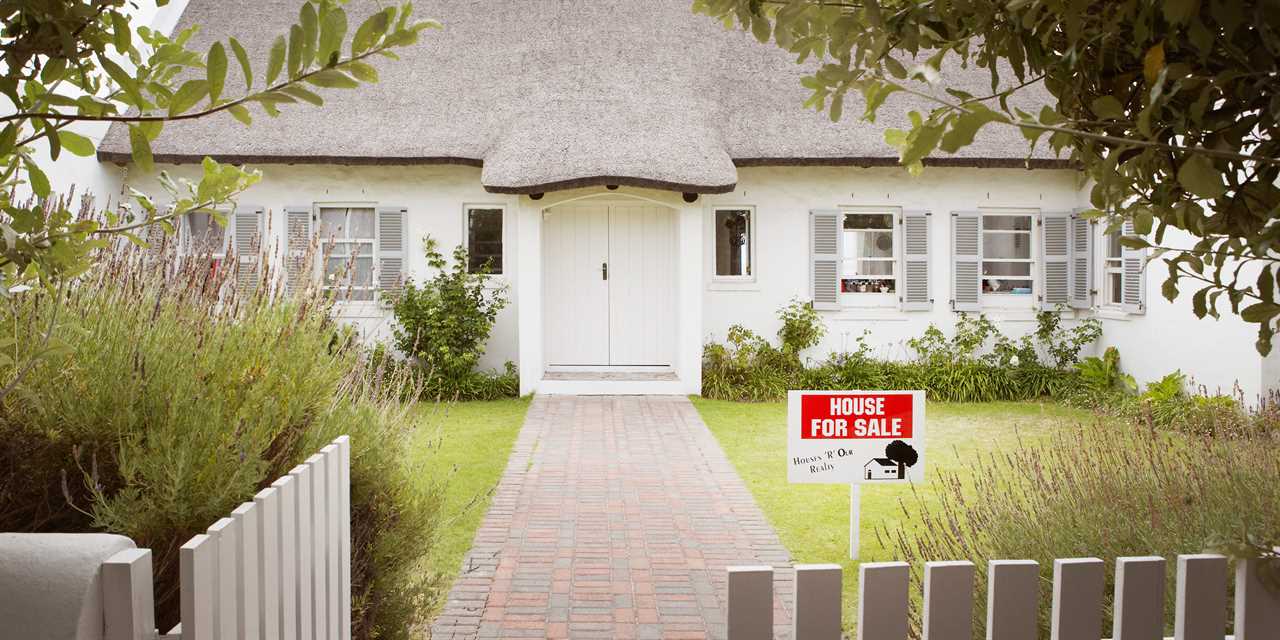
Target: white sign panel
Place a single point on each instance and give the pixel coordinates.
(855, 437)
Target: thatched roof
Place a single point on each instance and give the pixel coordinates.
(547, 94)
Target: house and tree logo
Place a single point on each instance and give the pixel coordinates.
(898, 455)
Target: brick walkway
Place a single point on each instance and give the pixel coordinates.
(615, 518)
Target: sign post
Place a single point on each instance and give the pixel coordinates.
(855, 437)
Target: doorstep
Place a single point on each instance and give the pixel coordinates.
(600, 381)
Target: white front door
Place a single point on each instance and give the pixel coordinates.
(608, 284)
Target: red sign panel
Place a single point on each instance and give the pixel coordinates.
(855, 416)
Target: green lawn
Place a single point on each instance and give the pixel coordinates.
(813, 520)
(468, 443)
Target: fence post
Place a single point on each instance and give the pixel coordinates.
(199, 593)
(1078, 584)
(268, 501)
(882, 600)
(817, 608)
(319, 541)
(1013, 588)
(344, 536)
(247, 570)
(303, 554)
(750, 610)
(1201, 601)
(225, 533)
(1139, 599)
(1257, 607)
(128, 598)
(948, 600)
(332, 532)
(286, 490)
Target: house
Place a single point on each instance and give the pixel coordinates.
(643, 178)
(882, 469)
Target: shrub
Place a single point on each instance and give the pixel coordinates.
(442, 325)
(801, 327)
(171, 399)
(1103, 375)
(1104, 490)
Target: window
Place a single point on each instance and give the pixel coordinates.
(733, 242)
(484, 240)
(205, 240)
(869, 265)
(1113, 270)
(347, 237)
(1008, 260)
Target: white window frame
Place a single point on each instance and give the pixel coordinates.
(877, 298)
(1107, 269)
(186, 240)
(323, 255)
(752, 227)
(1011, 300)
(507, 264)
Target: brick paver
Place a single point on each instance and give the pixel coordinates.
(615, 518)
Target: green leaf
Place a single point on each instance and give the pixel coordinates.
(837, 107)
(124, 80)
(121, 33)
(191, 92)
(216, 70)
(1260, 312)
(1267, 284)
(760, 28)
(140, 148)
(1198, 303)
(76, 143)
(239, 112)
(39, 181)
(332, 79)
(302, 93)
(332, 32)
(1153, 63)
(1180, 11)
(1107, 107)
(243, 58)
(370, 31)
(895, 68)
(310, 30)
(1198, 176)
(276, 60)
(362, 71)
(965, 126)
(295, 50)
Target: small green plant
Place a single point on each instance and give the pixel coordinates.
(802, 327)
(443, 323)
(1103, 375)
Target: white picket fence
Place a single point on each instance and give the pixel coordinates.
(279, 568)
(1012, 599)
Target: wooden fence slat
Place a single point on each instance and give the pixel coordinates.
(750, 611)
(128, 598)
(319, 533)
(286, 492)
(1078, 584)
(247, 568)
(817, 606)
(225, 533)
(1201, 601)
(1139, 599)
(1257, 607)
(302, 476)
(268, 501)
(332, 547)
(882, 600)
(948, 600)
(344, 536)
(1013, 588)
(199, 580)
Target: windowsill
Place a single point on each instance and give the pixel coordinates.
(869, 300)
(360, 309)
(730, 283)
(1111, 313)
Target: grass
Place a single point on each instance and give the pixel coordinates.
(468, 443)
(812, 520)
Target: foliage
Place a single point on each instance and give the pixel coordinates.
(802, 327)
(86, 61)
(1103, 374)
(1102, 490)
(176, 397)
(443, 324)
(1169, 108)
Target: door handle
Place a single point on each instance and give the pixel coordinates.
(604, 270)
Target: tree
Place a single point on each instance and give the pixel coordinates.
(903, 454)
(73, 61)
(1169, 108)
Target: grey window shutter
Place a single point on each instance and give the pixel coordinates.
(298, 231)
(247, 231)
(824, 254)
(1055, 259)
(392, 246)
(1133, 274)
(1081, 296)
(966, 260)
(913, 277)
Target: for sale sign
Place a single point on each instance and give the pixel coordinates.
(855, 437)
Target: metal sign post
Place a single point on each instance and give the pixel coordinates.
(855, 519)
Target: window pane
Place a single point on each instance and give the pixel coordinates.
(1113, 245)
(867, 285)
(1006, 269)
(362, 223)
(1006, 222)
(733, 242)
(484, 240)
(336, 272)
(1115, 293)
(1006, 245)
(999, 285)
(861, 268)
(868, 244)
(868, 221)
(333, 222)
(363, 275)
(205, 232)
